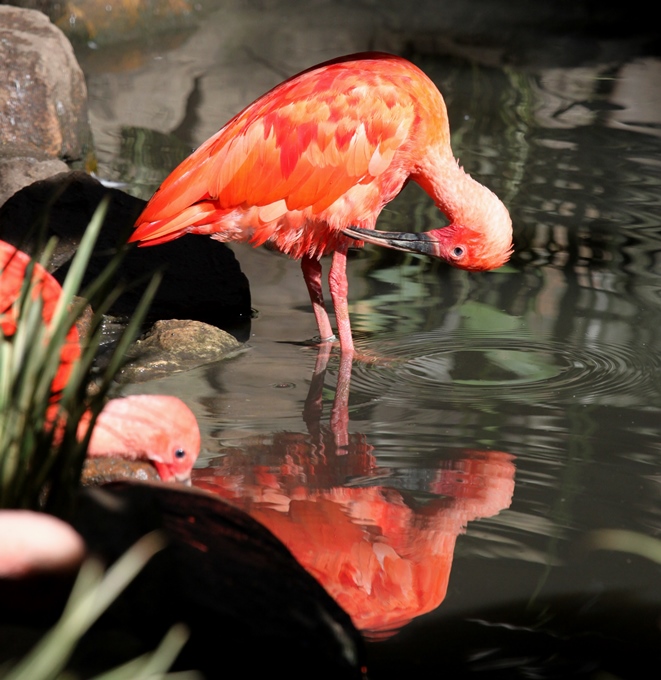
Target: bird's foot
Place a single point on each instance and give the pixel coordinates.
(333, 345)
(318, 340)
(374, 359)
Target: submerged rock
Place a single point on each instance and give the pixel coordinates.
(97, 471)
(172, 346)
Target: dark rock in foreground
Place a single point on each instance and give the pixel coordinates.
(247, 602)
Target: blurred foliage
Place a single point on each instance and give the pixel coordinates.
(40, 464)
(92, 594)
(630, 542)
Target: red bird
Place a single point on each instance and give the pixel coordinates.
(13, 267)
(309, 166)
(154, 427)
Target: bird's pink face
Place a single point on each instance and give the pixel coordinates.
(459, 246)
(174, 442)
(175, 461)
(466, 249)
(157, 428)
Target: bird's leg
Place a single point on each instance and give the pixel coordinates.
(339, 287)
(339, 418)
(313, 407)
(312, 274)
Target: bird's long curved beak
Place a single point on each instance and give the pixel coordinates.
(397, 240)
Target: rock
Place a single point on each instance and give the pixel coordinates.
(43, 97)
(202, 279)
(97, 471)
(225, 577)
(19, 172)
(85, 20)
(172, 346)
(84, 321)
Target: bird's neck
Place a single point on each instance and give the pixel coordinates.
(461, 198)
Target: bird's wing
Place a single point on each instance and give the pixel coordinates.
(303, 145)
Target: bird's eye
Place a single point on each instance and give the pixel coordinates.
(180, 453)
(458, 251)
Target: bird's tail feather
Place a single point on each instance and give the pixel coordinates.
(194, 218)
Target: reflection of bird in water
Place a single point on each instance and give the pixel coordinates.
(308, 167)
(384, 558)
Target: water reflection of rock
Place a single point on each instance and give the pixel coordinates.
(382, 552)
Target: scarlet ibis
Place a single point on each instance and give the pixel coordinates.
(157, 428)
(308, 167)
(13, 268)
(153, 427)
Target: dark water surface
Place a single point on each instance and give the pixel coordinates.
(516, 415)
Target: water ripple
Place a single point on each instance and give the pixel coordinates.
(470, 368)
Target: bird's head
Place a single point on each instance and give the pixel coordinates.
(479, 236)
(154, 427)
(174, 449)
(460, 246)
(465, 248)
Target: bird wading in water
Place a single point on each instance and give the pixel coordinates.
(308, 167)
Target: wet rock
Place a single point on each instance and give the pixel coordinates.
(174, 345)
(202, 280)
(43, 97)
(84, 321)
(97, 471)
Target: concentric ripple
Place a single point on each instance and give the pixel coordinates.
(475, 368)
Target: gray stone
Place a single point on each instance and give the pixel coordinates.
(19, 172)
(101, 470)
(43, 97)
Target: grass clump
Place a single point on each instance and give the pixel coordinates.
(40, 465)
